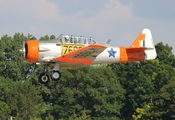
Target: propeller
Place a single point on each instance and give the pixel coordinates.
(23, 45)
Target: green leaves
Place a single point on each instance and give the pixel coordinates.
(116, 91)
(164, 54)
(24, 100)
(88, 88)
(4, 110)
(151, 85)
(46, 37)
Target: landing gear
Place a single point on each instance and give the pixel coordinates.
(55, 74)
(44, 78)
(138, 66)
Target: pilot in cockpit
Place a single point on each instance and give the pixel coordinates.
(67, 39)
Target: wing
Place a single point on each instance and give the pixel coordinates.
(84, 55)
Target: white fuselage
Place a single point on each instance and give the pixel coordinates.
(49, 51)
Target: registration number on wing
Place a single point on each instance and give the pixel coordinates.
(66, 48)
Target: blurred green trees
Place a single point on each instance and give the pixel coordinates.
(115, 91)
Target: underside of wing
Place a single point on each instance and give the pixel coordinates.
(83, 56)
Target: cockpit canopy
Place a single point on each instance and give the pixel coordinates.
(71, 39)
(76, 39)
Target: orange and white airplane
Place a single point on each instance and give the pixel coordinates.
(74, 52)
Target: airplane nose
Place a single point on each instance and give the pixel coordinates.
(31, 51)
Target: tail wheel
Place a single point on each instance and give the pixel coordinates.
(138, 66)
(43, 78)
(55, 75)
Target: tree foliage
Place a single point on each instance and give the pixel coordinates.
(77, 90)
(24, 101)
(115, 91)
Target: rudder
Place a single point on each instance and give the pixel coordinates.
(145, 40)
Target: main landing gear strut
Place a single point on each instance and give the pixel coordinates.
(55, 74)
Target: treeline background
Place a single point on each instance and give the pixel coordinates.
(106, 92)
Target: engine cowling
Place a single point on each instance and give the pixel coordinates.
(32, 50)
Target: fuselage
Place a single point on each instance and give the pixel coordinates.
(53, 51)
(46, 52)
(49, 51)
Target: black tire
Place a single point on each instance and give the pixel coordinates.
(55, 75)
(138, 66)
(44, 78)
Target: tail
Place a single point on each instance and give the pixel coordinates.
(145, 40)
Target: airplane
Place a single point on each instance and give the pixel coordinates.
(74, 52)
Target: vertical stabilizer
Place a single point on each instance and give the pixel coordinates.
(145, 40)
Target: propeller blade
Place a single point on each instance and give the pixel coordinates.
(23, 45)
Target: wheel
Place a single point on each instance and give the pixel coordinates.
(138, 66)
(43, 78)
(55, 75)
